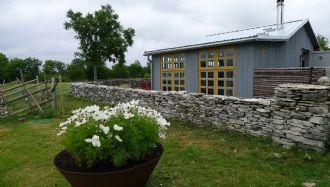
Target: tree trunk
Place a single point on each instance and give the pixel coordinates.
(95, 73)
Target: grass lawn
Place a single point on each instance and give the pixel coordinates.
(193, 157)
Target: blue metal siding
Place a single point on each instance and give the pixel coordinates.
(244, 70)
(155, 72)
(192, 71)
(293, 48)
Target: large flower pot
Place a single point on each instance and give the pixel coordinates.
(136, 176)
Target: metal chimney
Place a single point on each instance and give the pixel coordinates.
(280, 14)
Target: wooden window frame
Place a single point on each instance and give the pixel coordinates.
(175, 59)
(217, 69)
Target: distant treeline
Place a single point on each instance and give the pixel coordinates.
(77, 70)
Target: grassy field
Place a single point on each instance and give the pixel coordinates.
(192, 157)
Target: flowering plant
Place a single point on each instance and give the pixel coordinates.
(119, 134)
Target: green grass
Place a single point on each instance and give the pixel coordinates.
(193, 156)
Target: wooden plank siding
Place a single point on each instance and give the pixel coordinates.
(266, 79)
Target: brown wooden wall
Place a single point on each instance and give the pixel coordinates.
(266, 79)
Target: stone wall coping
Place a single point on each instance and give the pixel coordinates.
(303, 87)
(185, 94)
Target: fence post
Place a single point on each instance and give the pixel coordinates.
(53, 93)
(61, 94)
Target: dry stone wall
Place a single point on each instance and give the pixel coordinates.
(3, 108)
(297, 115)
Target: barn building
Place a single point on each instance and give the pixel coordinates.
(224, 63)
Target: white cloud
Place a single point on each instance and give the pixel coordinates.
(35, 27)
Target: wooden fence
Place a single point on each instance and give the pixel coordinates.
(26, 97)
(266, 79)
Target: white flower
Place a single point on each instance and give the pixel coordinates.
(60, 133)
(105, 129)
(128, 115)
(95, 140)
(118, 128)
(118, 138)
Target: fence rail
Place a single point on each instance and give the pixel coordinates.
(266, 79)
(27, 96)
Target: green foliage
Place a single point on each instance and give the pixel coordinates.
(102, 38)
(52, 67)
(77, 70)
(138, 136)
(323, 41)
(3, 65)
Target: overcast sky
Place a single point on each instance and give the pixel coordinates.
(34, 28)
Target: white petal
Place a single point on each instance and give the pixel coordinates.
(118, 138)
(117, 127)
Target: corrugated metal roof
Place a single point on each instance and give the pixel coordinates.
(262, 33)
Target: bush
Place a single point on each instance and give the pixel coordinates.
(127, 132)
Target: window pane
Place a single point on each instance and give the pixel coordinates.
(210, 63)
(210, 83)
(203, 54)
(176, 65)
(221, 63)
(221, 83)
(169, 82)
(182, 82)
(203, 64)
(230, 62)
(176, 88)
(210, 75)
(221, 74)
(164, 88)
(203, 74)
(229, 92)
(221, 54)
(163, 59)
(164, 81)
(169, 66)
(230, 52)
(229, 83)
(164, 65)
(181, 65)
(182, 74)
(203, 90)
(169, 88)
(164, 75)
(221, 92)
(176, 82)
(229, 74)
(169, 59)
(176, 59)
(176, 75)
(182, 59)
(203, 83)
(169, 75)
(210, 55)
(210, 91)
(181, 88)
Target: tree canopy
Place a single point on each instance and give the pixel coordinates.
(323, 41)
(102, 37)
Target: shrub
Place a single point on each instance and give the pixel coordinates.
(126, 132)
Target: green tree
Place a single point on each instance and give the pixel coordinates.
(54, 67)
(102, 37)
(120, 71)
(136, 70)
(77, 70)
(3, 67)
(323, 41)
(31, 68)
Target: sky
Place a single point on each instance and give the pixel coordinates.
(34, 28)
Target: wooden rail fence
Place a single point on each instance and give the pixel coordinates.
(266, 79)
(27, 97)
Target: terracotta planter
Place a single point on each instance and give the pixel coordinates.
(136, 176)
